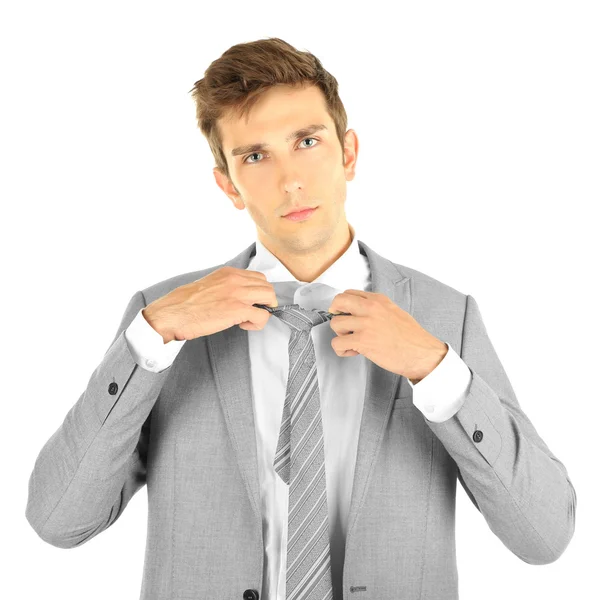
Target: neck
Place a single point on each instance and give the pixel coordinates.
(309, 264)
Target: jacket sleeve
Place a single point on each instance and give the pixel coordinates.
(95, 461)
(519, 486)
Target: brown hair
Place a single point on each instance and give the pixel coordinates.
(236, 80)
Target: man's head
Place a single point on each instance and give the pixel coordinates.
(262, 93)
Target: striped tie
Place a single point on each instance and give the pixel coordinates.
(308, 569)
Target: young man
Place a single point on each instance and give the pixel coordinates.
(386, 378)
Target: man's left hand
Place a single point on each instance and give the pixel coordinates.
(384, 333)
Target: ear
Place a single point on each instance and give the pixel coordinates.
(350, 153)
(228, 188)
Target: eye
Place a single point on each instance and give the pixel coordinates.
(309, 138)
(254, 153)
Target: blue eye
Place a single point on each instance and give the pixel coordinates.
(254, 153)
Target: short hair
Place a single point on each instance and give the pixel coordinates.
(241, 75)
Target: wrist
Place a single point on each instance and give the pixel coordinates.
(155, 324)
(435, 358)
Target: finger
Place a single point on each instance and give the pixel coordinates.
(343, 324)
(348, 302)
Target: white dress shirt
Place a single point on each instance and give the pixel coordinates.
(341, 380)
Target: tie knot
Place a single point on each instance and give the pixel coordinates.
(296, 317)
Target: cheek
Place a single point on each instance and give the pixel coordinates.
(262, 214)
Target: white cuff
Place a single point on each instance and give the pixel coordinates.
(441, 393)
(147, 345)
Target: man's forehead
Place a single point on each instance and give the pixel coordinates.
(281, 115)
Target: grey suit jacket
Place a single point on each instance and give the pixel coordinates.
(188, 433)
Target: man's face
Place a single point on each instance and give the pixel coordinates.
(284, 175)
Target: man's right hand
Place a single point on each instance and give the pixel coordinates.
(213, 303)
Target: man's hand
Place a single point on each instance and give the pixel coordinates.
(219, 300)
(384, 333)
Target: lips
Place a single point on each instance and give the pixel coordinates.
(301, 209)
(300, 215)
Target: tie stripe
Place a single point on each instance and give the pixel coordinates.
(300, 461)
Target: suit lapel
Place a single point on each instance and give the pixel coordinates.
(229, 357)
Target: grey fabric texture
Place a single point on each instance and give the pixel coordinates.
(188, 435)
(300, 462)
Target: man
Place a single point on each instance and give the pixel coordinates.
(410, 396)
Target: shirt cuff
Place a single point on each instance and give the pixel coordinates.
(148, 347)
(441, 393)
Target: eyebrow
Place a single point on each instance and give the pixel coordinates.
(262, 145)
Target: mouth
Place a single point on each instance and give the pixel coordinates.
(300, 214)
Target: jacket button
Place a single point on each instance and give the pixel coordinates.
(250, 595)
(478, 435)
(112, 388)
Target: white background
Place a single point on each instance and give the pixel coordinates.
(479, 158)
